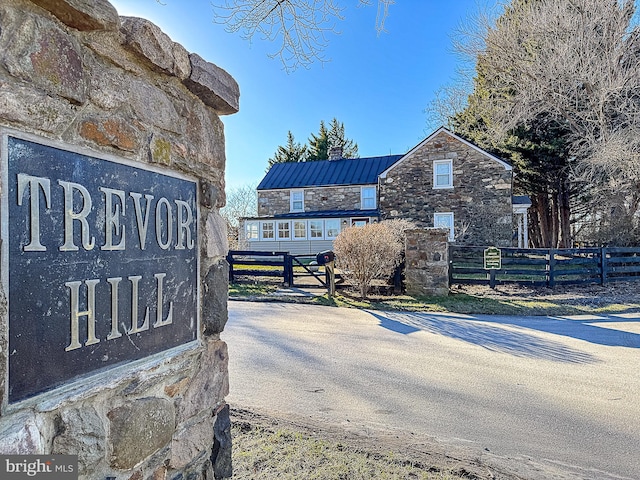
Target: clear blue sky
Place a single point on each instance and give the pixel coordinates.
(378, 86)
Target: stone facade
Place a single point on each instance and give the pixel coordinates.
(480, 198)
(75, 72)
(427, 262)
(273, 202)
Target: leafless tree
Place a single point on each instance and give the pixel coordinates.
(300, 26)
(448, 101)
(570, 66)
(242, 202)
(575, 61)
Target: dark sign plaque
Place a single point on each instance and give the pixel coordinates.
(102, 263)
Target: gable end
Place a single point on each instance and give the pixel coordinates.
(410, 153)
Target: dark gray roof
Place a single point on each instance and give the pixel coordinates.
(520, 200)
(323, 214)
(331, 214)
(356, 171)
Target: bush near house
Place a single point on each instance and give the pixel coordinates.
(373, 251)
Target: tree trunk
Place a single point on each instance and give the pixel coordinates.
(564, 210)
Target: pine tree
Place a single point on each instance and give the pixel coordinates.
(319, 145)
(291, 152)
(337, 139)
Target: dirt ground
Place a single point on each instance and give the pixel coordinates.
(405, 447)
(590, 295)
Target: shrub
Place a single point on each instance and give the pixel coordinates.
(366, 253)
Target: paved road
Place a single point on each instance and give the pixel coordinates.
(549, 397)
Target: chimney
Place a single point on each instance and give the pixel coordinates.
(335, 153)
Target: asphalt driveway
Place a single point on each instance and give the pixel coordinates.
(544, 397)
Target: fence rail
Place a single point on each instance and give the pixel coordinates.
(292, 269)
(546, 267)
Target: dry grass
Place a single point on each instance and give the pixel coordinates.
(267, 449)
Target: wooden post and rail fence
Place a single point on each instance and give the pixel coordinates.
(544, 267)
(467, 265)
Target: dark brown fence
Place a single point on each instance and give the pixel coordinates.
(546, 267)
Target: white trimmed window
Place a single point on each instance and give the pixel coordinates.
(297, 200)
(299, 229)
(315, 229)
(367, 198)
(267, 231)
(333, 228)
(444, 220)
(443, 174)
(284, 231)
(251, 230)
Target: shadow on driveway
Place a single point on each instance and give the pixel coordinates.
(509, 334)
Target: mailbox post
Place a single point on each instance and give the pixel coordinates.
(327, 258)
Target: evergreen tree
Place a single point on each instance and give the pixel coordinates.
(291, 152)
(337, 139)
(319, 145)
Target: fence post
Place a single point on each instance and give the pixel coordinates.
(603, 265)
(397, 278)
(551, 282)
(330, 277)
(230, 262)
(288, 270)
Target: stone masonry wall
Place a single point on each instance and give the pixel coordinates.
(75, 72)
(273, 202)
(480, 198)
(427, 262)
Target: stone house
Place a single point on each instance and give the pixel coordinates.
(445, 181)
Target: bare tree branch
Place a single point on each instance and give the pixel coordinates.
(300, 26)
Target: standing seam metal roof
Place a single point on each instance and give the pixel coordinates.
(347, 171)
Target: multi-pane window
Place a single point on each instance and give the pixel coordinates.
(297, 200)
(443, 174)
(251, 230)
(299, 229)
(315, 229)
(284, 230)
(333, 228)
(368, 198)
(444, 220)
(268, 232)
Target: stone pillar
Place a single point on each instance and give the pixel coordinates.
(76, 77)
(427, 262)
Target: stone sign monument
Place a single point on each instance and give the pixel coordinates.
(113, 286)
(102, 256)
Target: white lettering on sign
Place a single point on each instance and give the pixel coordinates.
(35, 185)
(90, 313)
(173, 218)
(115, 209)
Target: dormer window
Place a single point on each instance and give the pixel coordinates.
(368, 198)
(443, 174)
(297, 200)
